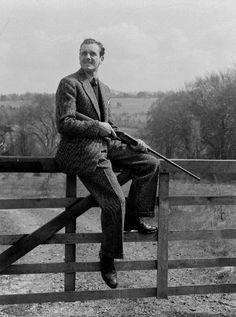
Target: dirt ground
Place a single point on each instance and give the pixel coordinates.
(25, 221)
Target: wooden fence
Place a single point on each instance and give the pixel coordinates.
(162, 264)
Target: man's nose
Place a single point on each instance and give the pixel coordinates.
(88, 55)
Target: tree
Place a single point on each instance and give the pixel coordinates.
(24, 144)
(171, 127)
(43, 125)
(34, 127)
(213, 102)
(199, 121)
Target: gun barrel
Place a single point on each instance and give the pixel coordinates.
(174, 164)
(126, 137)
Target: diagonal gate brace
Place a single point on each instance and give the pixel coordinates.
(42, 234)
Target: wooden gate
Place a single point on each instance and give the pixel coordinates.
(162, 264)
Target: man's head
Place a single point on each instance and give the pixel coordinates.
(92, 41)
(91, 55)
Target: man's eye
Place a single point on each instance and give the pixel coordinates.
(88, 53)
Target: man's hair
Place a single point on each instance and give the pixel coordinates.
(92, 41)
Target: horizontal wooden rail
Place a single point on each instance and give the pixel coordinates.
(29, 203)
(202, 234)
(64, 202)
(202, 167)
(77, 238)
(200, 263)
(202, 200)
(30, 164)
(116, 293)
(39, 268)
(201, 289)
(77, 296)
(144, 265)
(23, 164)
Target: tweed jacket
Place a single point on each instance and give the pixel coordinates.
(80, 147)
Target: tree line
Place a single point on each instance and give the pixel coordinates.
(114, 94)
(198, 121)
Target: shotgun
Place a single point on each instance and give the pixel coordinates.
(128, 139)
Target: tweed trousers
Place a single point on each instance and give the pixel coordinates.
(104, 187)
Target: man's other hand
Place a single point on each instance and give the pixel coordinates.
(105, 130)
(141, 146)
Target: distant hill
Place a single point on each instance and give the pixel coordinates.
(131, 105)
(119, 105)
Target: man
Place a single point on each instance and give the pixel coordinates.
(87, 149)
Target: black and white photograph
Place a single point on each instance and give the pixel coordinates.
(117, 158)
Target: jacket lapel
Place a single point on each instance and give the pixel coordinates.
(89, 91)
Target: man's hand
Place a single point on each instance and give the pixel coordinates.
(140, 147)
(105, 130)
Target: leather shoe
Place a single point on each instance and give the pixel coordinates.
(139, 225)
(108, 270)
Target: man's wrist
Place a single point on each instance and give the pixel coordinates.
(102, 129)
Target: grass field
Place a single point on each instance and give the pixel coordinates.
(131, 105)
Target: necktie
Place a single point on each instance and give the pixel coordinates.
(94, 84)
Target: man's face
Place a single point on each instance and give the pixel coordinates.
(90, 58)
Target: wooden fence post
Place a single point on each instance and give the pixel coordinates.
(70, 249)
(162, 253)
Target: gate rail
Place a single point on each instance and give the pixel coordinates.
(202, 168)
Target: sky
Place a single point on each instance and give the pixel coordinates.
(151, 45)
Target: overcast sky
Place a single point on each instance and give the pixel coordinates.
(150, 44)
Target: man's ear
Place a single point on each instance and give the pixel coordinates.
(102, 58)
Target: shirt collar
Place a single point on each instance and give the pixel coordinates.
(89, 77)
